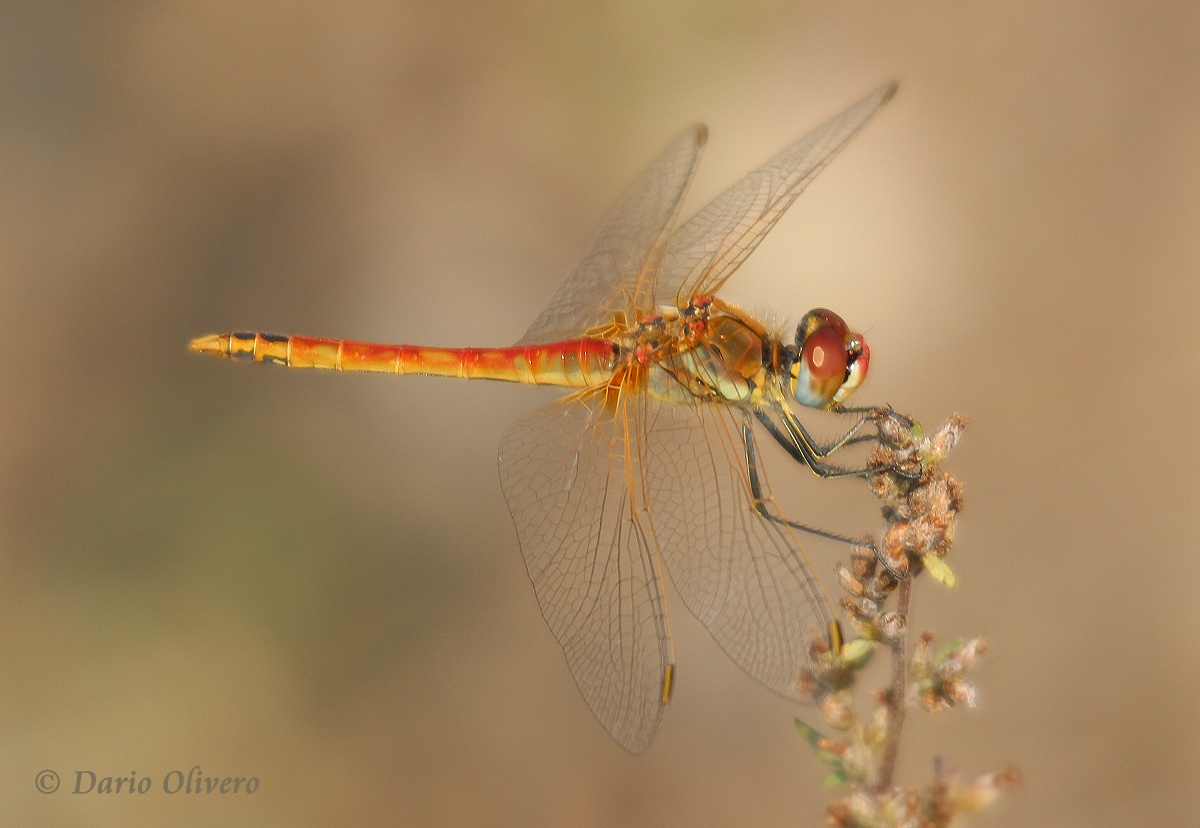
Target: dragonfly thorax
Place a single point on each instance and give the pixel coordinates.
(710, 350)
(706, 350)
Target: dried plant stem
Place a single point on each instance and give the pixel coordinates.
(920, 504)
(898, 691)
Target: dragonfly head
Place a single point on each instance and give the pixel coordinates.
(828, 360)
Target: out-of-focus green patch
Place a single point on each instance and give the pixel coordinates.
(938, 570)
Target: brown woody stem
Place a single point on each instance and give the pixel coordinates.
(897, 694)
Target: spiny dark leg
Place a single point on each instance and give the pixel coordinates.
(763, 505)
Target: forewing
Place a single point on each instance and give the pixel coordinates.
(744, 577)
(566, 476)
(617, 272)
(710, 246)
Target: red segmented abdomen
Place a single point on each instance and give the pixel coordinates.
(574, 363)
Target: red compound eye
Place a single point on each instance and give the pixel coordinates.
(825, 354)
(830, 319)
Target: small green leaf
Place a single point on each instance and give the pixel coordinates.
(814, 738)
(835, 778)
(812, 735)
(938, 569)
(857, 653)
(949, 649)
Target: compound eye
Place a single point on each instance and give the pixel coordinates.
(856, 370)
(825, 356)
(830, 362)
(815, 320)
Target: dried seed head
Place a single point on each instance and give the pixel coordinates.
(921, 510)
(894, 548)
(884, 583)
(847, 581)
(940, 497)
(883, 484)
(840, 815)
(933, 701)
(951, 795)
(879, 588)
(947, 436)
(940, 676)
(972, 649)
(949, 668)
(895, 430)
(865, 608)
(863, 562)
(960, 691)
(838, 711)
(891, 625)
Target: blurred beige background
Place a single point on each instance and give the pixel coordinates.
(313, 579)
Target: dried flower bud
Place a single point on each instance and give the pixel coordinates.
(883, 584)
(933, 701)
(891, 625)
(895, 429)
(947, 436)
(838, 711)
(894, 548)
(863, 562)
(960, 691)
(952, 796)
(875, 733)
(948, 668)
(846, 580)
(954, 491)
(839, 815)
(939, 678)
(865, 608)
(971, 650)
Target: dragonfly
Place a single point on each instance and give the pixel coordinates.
(649, 464)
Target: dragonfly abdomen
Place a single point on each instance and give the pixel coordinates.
(574, 363)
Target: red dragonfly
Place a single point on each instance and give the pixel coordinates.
(649, 465)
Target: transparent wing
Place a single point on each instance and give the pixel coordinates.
(745, 578)
(710, 246)
(617, 272)
(566, 476)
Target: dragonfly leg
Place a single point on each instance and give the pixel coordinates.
(766, 507)
(797, 443)
(869, 414)
(794, 437)
(850, 438)
(873, 412)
